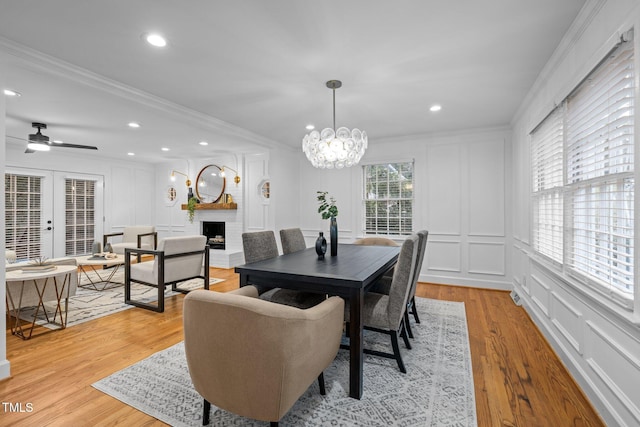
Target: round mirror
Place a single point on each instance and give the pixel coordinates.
(210, 184)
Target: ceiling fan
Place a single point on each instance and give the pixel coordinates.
(39, 142)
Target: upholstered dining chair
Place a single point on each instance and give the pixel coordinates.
(261, 245)
(260, 357)
(384, 284)
(385, 313)
(177, 259)
(376, 241)
(292, 240)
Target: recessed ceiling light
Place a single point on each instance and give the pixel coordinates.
(203, 143)
(131, 154)
(10, 92)
(155, 39)
(134, 125)
(164, 149)
(435, 108)
(310, 127)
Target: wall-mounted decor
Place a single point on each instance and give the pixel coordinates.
(170, 195)
(210, 184)
(265, 189)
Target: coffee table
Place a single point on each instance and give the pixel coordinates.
(97, 265)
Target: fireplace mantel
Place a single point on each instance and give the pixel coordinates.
(227, 206)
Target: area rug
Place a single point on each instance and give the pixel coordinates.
(89, 304)
(437, 389)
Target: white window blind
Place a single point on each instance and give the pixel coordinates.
(547, 179)
(23, 213)
(388, 198)
(599, 180)
(79, 216)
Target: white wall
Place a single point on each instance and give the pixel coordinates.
(598, 342)
(4, 363)
(461, 198)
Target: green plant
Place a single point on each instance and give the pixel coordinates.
(327, 208)
(191, 208)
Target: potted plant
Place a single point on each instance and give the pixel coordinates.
(329, 210)
(191, 208)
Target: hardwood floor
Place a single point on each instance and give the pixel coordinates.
(519, 381)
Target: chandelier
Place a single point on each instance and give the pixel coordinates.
(333, 148)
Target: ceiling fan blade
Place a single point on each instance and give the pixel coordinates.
(64, 144)
(29, 151)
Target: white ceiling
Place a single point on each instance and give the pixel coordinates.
(259, 68)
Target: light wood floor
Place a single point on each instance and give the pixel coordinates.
(519, 381)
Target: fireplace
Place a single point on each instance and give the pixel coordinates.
(214, 231)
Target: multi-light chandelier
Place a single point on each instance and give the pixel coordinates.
(333, 148)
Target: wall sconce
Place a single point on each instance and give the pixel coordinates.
(173, 177)
(236, 179)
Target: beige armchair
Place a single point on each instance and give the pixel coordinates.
(258, 357)
(139, 236)
(177, 259)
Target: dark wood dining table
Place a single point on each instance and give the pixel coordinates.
(349, 275)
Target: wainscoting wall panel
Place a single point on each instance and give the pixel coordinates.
(486, 189)
(602, 352)
(443, 255)
(540, 292)
(568, 320)
(444, 189)
(487, 258)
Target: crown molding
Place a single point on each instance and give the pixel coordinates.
(41, 62)
(584, 19)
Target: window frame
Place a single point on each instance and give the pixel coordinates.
(400, 234)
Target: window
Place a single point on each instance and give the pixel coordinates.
(23, 212)
(583, 178)
(79, 216)
(546, 164)
(388, 198)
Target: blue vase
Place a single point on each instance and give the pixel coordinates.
(321, 246)
(333, 236)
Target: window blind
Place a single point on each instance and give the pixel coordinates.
(23, 213)
(388, 198)
(547, 169)
(599, 180)
(79, 216)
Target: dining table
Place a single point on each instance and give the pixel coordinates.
(349, 274)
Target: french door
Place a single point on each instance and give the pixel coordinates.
(52, 214)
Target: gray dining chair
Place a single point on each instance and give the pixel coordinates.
(384, 284)
(386, 313)
(261, 245)
(292, 240)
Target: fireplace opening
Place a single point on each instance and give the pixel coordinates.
(214, 231)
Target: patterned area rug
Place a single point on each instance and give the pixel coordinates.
(89, 304)
(436, 391)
